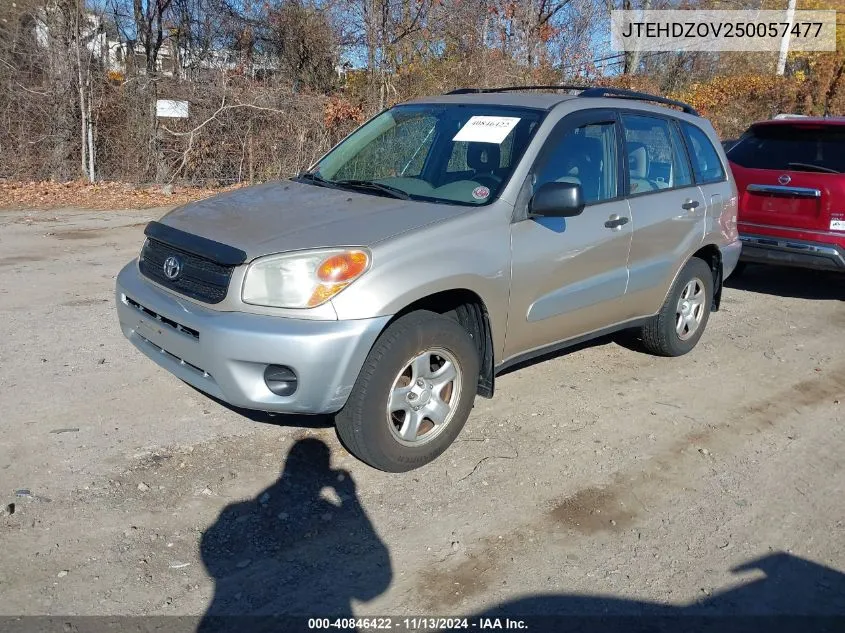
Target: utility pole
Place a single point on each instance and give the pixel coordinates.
(784, 42)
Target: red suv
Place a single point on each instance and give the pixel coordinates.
(790, 174)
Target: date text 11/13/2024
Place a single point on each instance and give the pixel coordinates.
(416, 623)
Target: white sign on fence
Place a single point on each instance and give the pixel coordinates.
(167, 108)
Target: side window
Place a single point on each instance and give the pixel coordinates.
(705, 159)
(654, 154)
(586, 156)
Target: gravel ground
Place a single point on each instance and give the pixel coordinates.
(600, 480)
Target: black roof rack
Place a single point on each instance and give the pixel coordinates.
(621, 93)
(586, 91)
(465, 91)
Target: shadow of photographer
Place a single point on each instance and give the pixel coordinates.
(304, 546)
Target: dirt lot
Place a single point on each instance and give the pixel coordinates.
(596, 481)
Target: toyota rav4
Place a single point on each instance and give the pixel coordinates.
(442, 242)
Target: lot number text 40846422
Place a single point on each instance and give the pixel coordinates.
(417, 623)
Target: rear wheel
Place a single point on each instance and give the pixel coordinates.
(413, 394)
(677, 328)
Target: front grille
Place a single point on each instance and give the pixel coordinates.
(201, 278)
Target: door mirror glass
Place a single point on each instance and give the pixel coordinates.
(558, 200)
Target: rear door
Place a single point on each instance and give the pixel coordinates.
(791, 176)
(711, 176)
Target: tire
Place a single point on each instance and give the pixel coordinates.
(386, 439)
(661, 335)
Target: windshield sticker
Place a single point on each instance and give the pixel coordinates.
(481, 193)
(486, 129)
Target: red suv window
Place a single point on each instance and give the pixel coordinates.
(781, 147)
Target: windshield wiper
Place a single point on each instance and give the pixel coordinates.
(393, 192)
(811, 167)
(309, 176)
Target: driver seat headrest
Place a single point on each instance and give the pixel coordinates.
(483, 157)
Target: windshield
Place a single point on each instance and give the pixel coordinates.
(457, 154)
(815, 148)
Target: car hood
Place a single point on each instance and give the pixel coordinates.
(287, 215)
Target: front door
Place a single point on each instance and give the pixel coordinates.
(569, 275)
(667, 208)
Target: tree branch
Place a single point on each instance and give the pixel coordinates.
(191, 134)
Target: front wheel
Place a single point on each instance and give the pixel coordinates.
(413, 394)
(678, 326)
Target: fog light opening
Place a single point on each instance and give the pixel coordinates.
(280, 380)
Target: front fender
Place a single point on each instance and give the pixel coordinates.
(468, 253)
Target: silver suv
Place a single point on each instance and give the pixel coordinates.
(443, 241)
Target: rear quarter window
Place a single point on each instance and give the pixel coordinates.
(706, 164)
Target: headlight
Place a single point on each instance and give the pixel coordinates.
(302, 280)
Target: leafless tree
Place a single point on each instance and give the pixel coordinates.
(273, 83)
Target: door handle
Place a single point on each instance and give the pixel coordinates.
(615, 222)
(690, 204)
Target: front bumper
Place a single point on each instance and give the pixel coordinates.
(224, 354)
(762, 249)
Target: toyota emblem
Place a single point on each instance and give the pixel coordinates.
(785, 179)
(172, 267)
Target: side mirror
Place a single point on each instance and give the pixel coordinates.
(557, 200)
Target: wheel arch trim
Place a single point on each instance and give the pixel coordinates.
(470, 310)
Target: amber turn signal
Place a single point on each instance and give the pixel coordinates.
(343, 267)
(337, 272)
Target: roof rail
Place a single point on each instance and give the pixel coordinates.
(621, 93)
(465, 91)
(586, 91)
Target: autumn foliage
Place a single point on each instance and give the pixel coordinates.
(292, 78)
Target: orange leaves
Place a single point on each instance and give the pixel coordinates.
(732, 102)
(547, 32)
(102, 195)
(339, 111)
(709, 96)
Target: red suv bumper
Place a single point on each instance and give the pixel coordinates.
(804, 249)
